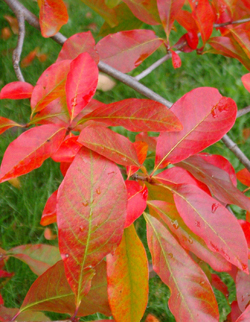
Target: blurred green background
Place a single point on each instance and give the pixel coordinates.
(21, 208)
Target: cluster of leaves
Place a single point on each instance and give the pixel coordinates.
(101, 264)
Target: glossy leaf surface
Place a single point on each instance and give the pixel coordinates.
(127, 272)
(49, 212)
(50, 85)
(168, 214)
(78, 44)
(51, 292)
(141, 150)
(16, 90)
(146, 11)
(211, 221)
(92, 195)
(30, 149)
(192, 297)
(131, 47)
(205, 115)
(168, 10)
(137, 201)
(53, 15)
(218, 181)
(136, 115)
(112, 145)
(38, 257)
(81, 83)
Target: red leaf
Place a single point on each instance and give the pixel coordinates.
(151, 141)
(6, 315)
(176, 61)
(50, 85)
(241, 35)
(229, 47)
(6, 124)
(146, 11)
(112, 145)
(141, 151)
(137, 201)
(245, 316)
(168, 215)
(127, 272)
(38, 257)
(244, 177)
(205, 115)
(131, 47)
(242, 289)
(81, 83)
(246, 81)
(192, 298)
(208, 219)
(16, 90)
(30, 149)
(186, 20)
(235, 312)
(67, 150)
(204, 17)
(91, 196)
(78, 44)
(218, 180)
(56, 112)
(45, 294)
(4, 274)
(1, 300)
(53, 15)
(168, 11)
(136, 115)
(49, 212)
(245, 225)
(64, 167)
(176, 175)
(221, 286)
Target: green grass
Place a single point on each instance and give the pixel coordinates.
(21, 209)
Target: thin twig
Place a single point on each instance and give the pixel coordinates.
(243, 111)
(18, 50)
(152, 67)
(131, 82)
(217, 25)
(237, 151)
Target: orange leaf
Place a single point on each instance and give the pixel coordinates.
(13, 23)
(53, 15)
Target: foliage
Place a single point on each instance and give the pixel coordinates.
(100, 264)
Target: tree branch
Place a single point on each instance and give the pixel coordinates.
(18, 50)
(152, 67)
(237, 151)
(243, 111)
(217, 25)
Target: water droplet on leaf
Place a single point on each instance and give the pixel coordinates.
(98, 191)
(190, 240)
(170, 255)
(85, 204)
(81, 228)
(198, 224)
